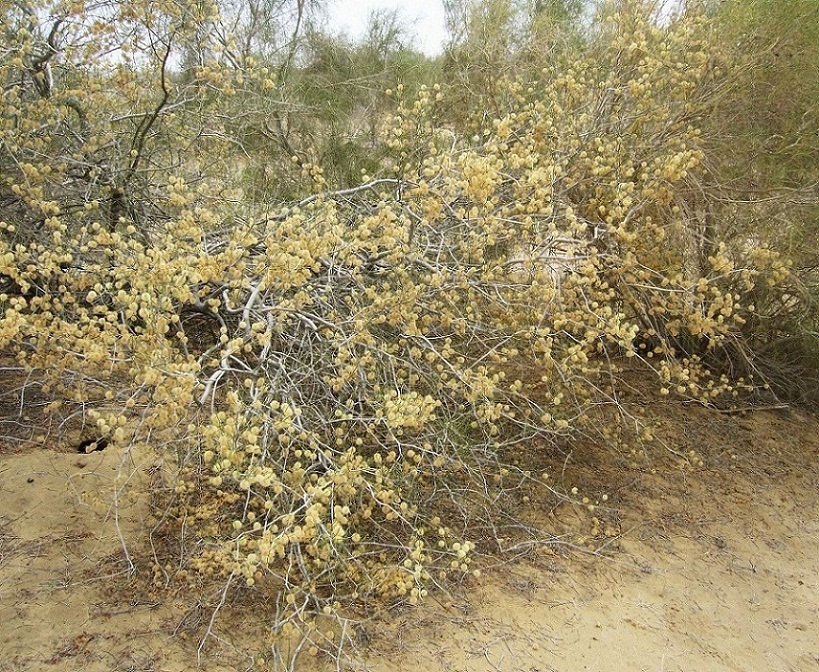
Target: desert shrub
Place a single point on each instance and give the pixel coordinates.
(344, 377)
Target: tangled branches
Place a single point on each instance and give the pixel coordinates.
(345, 377)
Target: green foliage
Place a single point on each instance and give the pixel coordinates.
(763, 137)
(342, 87)
(774, 110)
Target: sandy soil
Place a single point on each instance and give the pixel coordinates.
(715, 570)
(712, 568)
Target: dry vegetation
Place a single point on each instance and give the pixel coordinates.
(349, 389)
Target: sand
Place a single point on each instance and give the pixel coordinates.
(710, 567)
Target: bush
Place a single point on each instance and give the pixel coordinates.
(345, 377)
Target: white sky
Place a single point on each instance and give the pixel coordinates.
(424, 19)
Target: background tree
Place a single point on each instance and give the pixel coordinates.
(763, 141)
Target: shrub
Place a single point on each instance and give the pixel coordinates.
(344, 377)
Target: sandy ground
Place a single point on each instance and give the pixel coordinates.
(710, 568)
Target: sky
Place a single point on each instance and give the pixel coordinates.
(423, 18)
